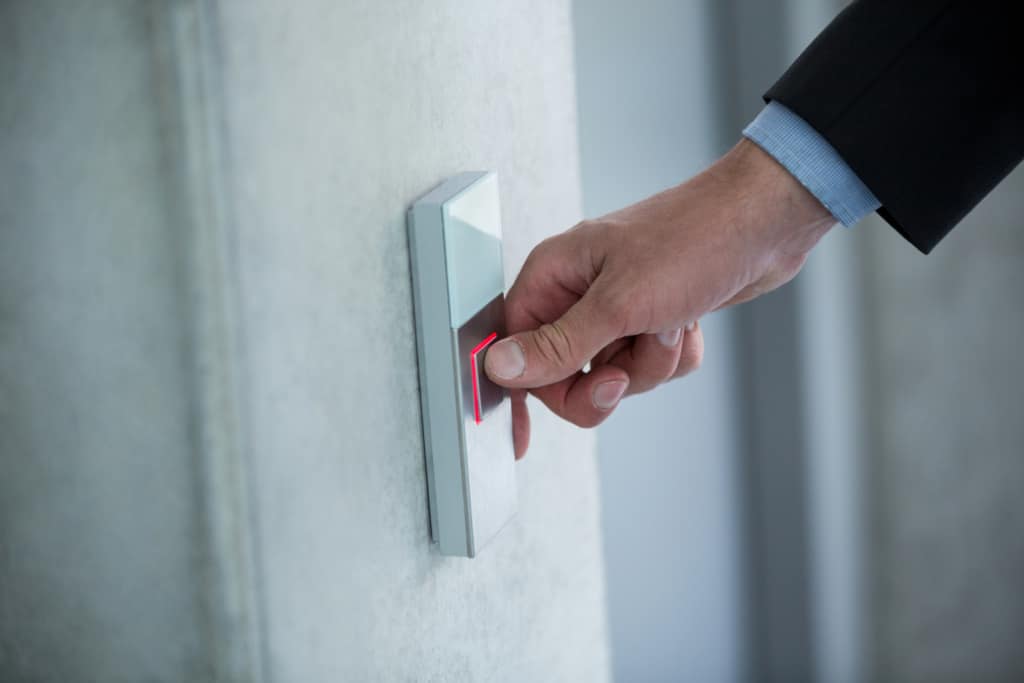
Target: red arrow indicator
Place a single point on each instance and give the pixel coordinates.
(472, 366)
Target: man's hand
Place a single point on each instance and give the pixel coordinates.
(624, 292)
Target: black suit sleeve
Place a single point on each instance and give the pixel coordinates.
(923, 100)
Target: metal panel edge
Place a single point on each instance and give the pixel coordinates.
(437, 388)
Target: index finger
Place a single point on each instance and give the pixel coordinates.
(578, 398)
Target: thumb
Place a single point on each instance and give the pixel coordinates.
(553, 351)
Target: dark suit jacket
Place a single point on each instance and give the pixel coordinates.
(923, 100)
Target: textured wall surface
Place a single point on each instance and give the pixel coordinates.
(207, 336)
(948, 468)
(338, 116)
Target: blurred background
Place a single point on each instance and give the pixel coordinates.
(203, 478)
(836, 494)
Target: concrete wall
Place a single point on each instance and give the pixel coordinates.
(338, 116)
(947, 469)
(210, 420)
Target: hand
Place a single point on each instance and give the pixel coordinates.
(624, 292)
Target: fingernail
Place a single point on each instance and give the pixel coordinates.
(506, 360)
(670, 338)
(607, 394)
(691, 326)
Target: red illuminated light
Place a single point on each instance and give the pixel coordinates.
(472, 366)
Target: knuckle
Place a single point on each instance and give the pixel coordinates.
(545, 248)
(645, 385)
(537, 259)
(664, 376)
(652, 365)
(642, 381)
(586, 225)
(553, 344)
(587, 421)
(691, 359)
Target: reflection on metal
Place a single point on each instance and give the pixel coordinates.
(458, 281)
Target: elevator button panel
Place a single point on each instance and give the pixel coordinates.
(458, 289)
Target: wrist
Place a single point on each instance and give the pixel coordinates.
(775, 211)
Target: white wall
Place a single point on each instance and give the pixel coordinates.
(338, 116)
(209, 392)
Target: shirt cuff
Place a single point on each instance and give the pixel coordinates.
(812, 161)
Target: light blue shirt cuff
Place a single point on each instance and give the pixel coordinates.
(813, 162)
